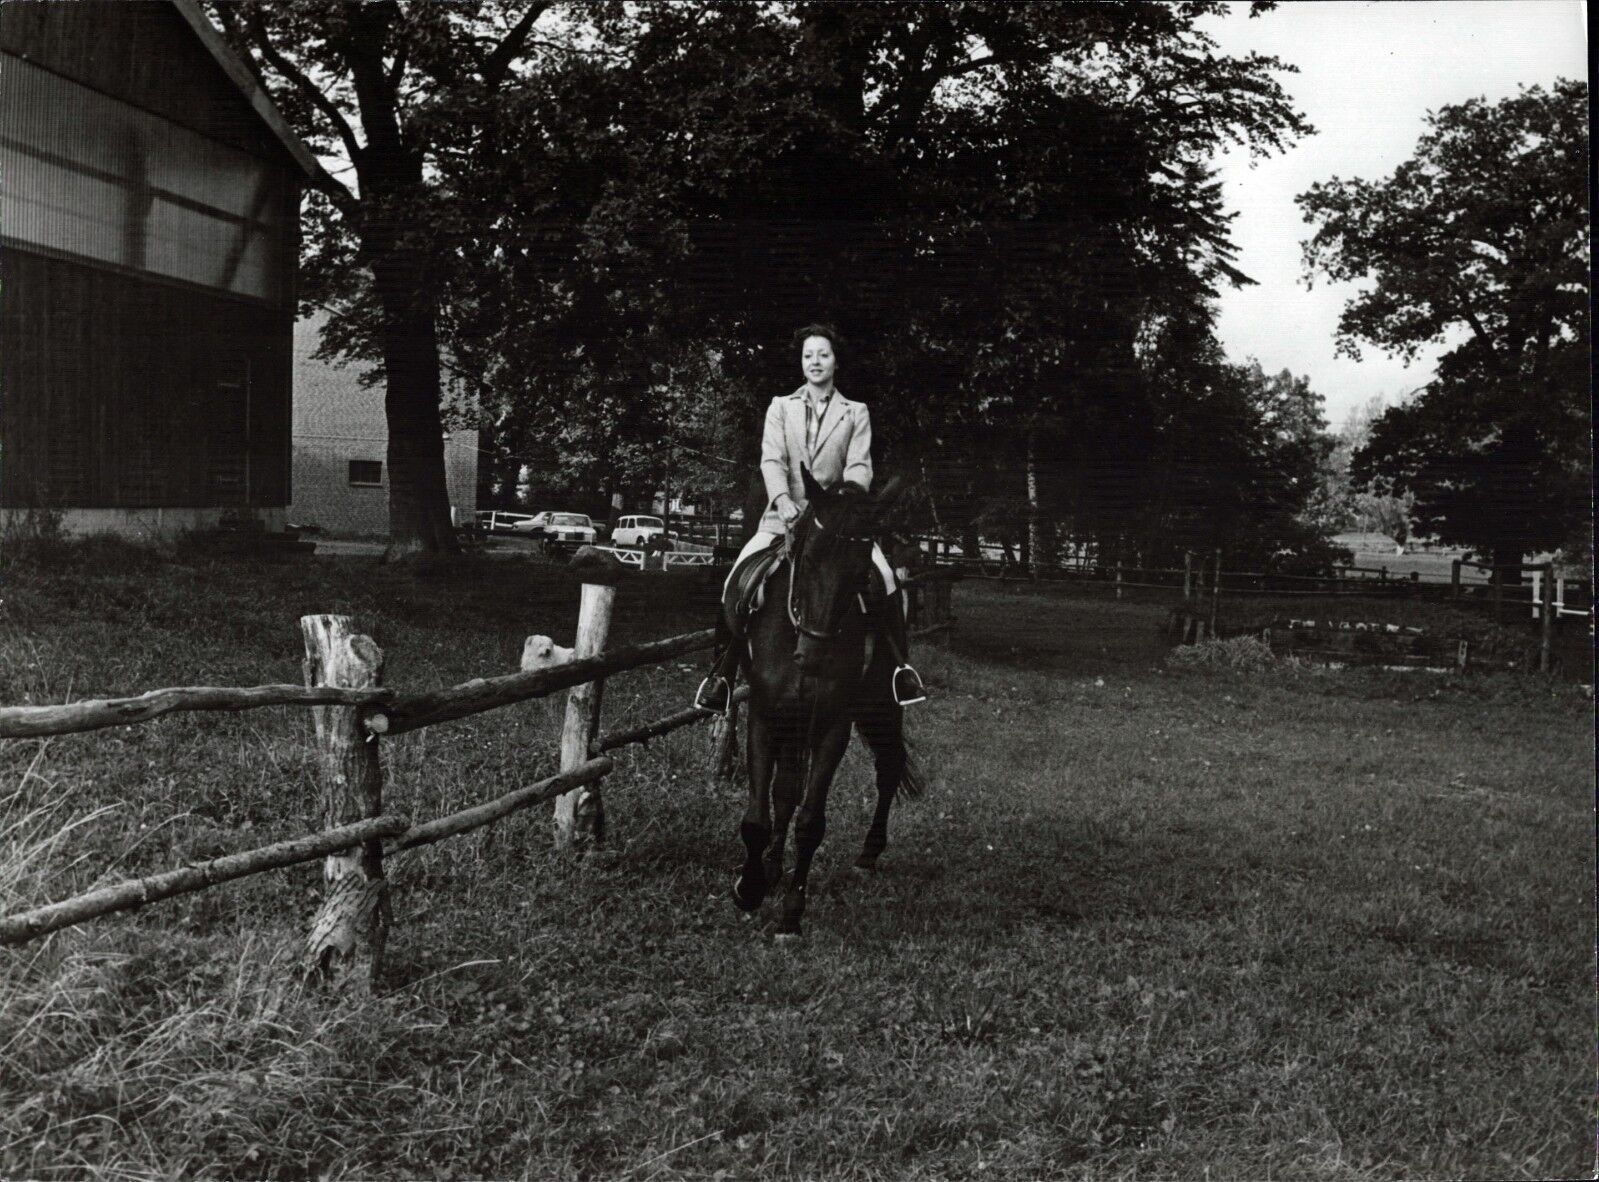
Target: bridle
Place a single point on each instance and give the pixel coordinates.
(792, 552)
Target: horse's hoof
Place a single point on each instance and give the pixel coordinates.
(745, 898)
(788, 938)
(866, 865)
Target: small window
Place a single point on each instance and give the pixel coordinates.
(368, 472)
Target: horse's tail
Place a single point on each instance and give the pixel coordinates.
(912, 784)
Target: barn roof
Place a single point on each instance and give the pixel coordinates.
(239, 74)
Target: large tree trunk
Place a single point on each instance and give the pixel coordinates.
(419, 499)
(1507, 564)
(393, 196)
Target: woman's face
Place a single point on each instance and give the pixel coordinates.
(816, 360)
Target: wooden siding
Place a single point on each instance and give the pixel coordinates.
(143, 53)
(123, 392)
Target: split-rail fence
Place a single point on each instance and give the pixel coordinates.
(352, 713)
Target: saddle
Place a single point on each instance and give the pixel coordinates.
(746, 586)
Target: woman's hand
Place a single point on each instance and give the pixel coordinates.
(787, 510)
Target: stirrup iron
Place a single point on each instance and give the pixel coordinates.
(920, 691)
(707, 687)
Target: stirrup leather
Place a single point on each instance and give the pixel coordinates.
(917, 692)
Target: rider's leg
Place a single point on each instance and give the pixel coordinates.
(890, 611)
(716, 691)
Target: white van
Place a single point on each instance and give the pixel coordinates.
(637, 529)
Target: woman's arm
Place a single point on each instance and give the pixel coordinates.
(774, 453)
(858, 459)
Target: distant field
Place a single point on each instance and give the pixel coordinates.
(1146, 922)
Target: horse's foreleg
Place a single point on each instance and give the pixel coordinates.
(756, 829)
(785, 797)
(810, 821)
(882, 729)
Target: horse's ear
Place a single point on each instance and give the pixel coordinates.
(812, 489)
(849, 486)
(890, 487)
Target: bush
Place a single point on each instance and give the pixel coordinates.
(1241, 654)
(32, 535)
(1488, 641)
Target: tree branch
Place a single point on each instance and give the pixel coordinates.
(336, 190)
(1470, 317)
(510, 48)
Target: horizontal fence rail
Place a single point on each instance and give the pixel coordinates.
(503, 806)
(644, 732)
(124, 896)
(408, 712)
(27, 722)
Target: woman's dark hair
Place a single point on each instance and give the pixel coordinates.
(820, 330)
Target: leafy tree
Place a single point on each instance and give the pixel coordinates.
(1342, 504)
(1481, 238)
(1239, 462)
(397, 91)
(847, 170)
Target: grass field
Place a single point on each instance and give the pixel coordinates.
(1148, 921)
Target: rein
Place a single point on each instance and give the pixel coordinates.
(791, 554)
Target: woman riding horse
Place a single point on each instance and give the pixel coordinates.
(815, 673)
(818, 429)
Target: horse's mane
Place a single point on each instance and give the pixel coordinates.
(849, 508)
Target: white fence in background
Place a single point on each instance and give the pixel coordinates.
(1559, 597)
(664, 560)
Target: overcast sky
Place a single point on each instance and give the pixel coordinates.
(1368, 74)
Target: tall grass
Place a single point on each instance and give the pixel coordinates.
(1146, 921)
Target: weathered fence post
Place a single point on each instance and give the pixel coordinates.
(580, 814)
(724, 744)
(1118, 575)
(1188, 574)
(1546, 622)
(1454, 579)
(351, 927)
(1215, 594)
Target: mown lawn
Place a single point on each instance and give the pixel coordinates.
(1146, 922)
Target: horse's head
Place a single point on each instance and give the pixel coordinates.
(832, 564)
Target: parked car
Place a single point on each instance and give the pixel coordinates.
(640, 530)
(559, 531)
(496, 521)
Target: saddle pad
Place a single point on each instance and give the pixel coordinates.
(746, 585)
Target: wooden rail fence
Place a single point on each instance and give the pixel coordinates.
(352, 712)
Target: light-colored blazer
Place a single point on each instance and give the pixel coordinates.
(843, 450)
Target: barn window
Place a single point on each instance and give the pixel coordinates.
(367, 472)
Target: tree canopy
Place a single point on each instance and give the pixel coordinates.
(1480, 241)
(991, 200)
(610, 217)
(395, 91)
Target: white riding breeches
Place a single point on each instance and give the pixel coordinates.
(762, 539)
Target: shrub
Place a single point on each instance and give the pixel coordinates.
(1241, 654)
(33, 534)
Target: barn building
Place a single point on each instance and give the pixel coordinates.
(341, 443)
(149, 230)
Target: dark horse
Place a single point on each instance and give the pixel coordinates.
(815, 671)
